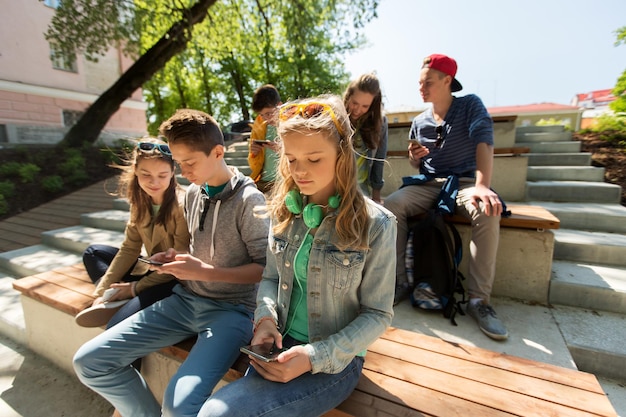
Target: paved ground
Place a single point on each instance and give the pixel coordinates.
(30, 386)
(25, 229)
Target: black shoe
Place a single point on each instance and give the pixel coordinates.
(402, 292)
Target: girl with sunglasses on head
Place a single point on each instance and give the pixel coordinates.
(156, 223)
(328, 284)
(363, 100)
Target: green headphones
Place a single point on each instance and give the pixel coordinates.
(313, 214)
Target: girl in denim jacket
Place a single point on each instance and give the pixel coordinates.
(328, 285)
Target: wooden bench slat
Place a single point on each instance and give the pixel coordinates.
(63, 299)
(522, 217)
(405, 393)
(540, 370)
(494, 387)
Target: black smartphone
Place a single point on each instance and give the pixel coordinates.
(148, 261)
(267, 352)
(260, 142)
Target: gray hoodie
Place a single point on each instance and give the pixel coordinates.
(226, 231)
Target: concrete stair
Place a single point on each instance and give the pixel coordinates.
(588, 282)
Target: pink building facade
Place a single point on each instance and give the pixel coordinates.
(42, 93)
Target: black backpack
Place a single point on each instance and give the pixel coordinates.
(437, 251)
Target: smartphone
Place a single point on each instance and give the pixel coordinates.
(148, 261)
(267, 352)
(260, 142)
(415, 142)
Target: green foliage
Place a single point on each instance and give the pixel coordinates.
(73, 167)
(10, 169)
(297, 45)
(555, 122)
(7, 188)
(28, 172)
(612, 128)
(52, 184)
(619, 91)
(4, 206)
(610, 122)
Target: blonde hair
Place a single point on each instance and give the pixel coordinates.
(351, 222)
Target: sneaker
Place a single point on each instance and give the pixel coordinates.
(487, 320)
(98, 315)
(402, 292)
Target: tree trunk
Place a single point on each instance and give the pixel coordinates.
(88, 127)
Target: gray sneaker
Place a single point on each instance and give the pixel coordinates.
(487, 320)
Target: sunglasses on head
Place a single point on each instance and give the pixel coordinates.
(439, 132)
(308, 111)
(150, 147)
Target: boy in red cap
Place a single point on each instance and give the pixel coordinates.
(455, 138)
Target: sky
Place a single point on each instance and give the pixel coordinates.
(509, 52)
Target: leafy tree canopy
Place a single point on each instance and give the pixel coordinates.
(619, 91)
(297, 45)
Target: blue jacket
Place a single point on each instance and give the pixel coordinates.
(349, 294)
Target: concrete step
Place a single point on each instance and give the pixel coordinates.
(565, 173)
(236, 161)
(77, 238)
(588, 216)
(539, 129)
(551, 147)
(35, 259)
(590, 247)
(559, 159)
(542, 136)
(121, 204)
(589, 286)
(109, 220)
(573, 191)
(244, 169)
(12, 317)
(595, 340)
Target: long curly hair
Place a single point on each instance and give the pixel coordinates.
(351, 222)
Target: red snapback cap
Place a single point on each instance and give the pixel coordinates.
(446, 65)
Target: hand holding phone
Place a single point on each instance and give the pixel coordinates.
(150, 262)
(415, 142)
(266, 352)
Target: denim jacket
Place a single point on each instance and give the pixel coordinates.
(349, 293)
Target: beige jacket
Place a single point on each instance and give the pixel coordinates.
(155, 238)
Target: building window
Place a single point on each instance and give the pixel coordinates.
(52, 3)
(62, 61)
(4, 137)
(70, 117)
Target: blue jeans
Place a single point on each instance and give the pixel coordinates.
(104, 363)
(308, 395)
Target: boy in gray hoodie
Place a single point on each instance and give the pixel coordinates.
(215, 299)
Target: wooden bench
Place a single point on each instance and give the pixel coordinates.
(405, 374)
